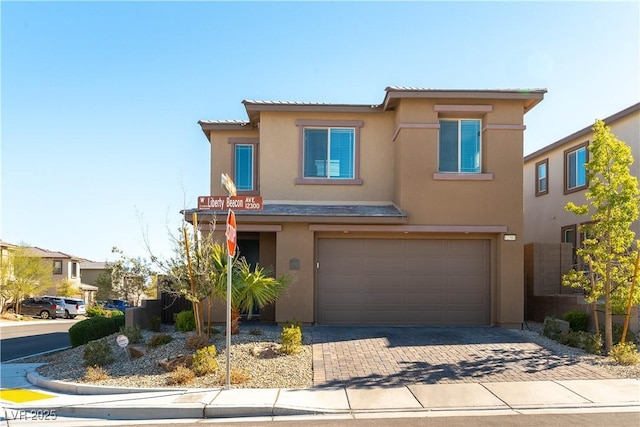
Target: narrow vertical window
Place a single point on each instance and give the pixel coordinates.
(542, 177)
(244, 164)
(244, 178)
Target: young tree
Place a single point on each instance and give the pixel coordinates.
(130, 276)
(103, 282)
(24, 274)
(64, 288)
(198, 271)
(612, 203)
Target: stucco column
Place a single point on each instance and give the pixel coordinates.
(510, 283)
(295, 256)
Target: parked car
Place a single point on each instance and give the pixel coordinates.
(72, 306)
(44, 308)
(114, 304)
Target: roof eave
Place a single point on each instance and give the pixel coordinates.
(208, 126)
(533, 96)
(583, 132)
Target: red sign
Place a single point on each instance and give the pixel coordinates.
(238, 203)
(231, 232)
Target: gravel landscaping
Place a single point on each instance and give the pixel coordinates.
(254, 351)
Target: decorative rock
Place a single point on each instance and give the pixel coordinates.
(266, 351)
(172, 363)
(136, 351)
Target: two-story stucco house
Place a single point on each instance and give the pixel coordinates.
(405, 212)
(556, 175)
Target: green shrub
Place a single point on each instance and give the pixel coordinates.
(159, 339)
(572, 338)
(97, 353)
(185, 321)
(578, 320)
(593, 344)
(204, 361)
(133, 333)
(114, 313)
(293, 323)
(625, 354)
(290, 339)
(96, 311)
(94, 328)
(551, 328)
(156, 324)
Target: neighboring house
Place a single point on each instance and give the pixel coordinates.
(63, 267)
(405, 212)
(5, 272)
(89, 273)
(556, 175)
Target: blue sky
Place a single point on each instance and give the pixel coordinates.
(100, 101)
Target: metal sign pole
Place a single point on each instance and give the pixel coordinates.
(229, 185)
(229, 261)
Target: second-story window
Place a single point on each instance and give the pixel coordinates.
(329, 153)
(542, 177)
(244, 178)
(459, 148)
(575, 171)
(244, 164)
(57, 267)
(74, 269)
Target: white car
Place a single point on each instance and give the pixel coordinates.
(72, 306)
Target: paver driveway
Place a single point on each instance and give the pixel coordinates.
(345, 356)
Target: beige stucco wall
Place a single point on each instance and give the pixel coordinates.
(399, 171)
(545, 215)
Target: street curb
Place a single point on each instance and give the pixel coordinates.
(86, 389)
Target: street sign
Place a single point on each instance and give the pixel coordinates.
(238, 203)
(231, 233)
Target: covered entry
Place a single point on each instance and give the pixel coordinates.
(403, 281)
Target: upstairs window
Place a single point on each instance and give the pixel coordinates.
(57, 267)
(542, 177)
(329, 153)
(244, 164)
(459, 148)
(575, 171)
(244, 167)
(74, 269)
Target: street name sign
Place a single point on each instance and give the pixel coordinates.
(237, 203)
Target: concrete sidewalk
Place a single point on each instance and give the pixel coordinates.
(25, 392)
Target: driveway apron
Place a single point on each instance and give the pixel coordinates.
(357, 356)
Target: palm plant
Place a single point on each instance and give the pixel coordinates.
(253, 288)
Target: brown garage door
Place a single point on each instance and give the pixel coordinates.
(403, 281)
